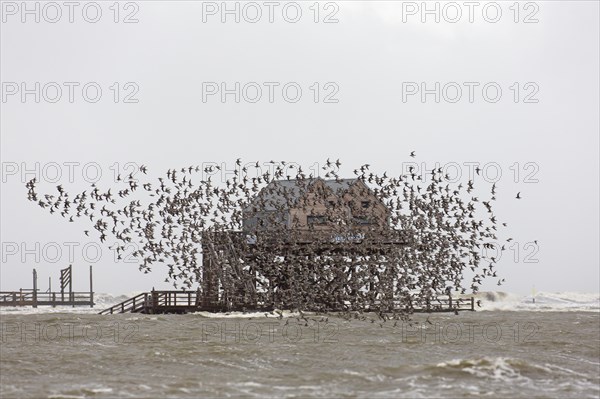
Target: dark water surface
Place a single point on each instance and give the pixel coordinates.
(492, 353)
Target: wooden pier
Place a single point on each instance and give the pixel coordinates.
(155, 302)
(65, 297)
(236, 276)
(165, 302)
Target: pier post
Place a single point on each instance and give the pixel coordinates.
(210, 294)
(91, 289)
(62, 285)
(388, 288)
(154, 301)
(71, 296)
(34, 288)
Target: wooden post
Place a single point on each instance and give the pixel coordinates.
(388, 288)
(210, 293)
(71, 284)
(62, 287)
(254, 273)
(91, 289)
(472, 303)
(34, 288)
(154, 300)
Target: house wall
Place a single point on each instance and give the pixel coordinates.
(316, 203)
(265, 220)
(321, 201)
(377, 212)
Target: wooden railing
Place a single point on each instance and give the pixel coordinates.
(23, 295)
(444, 304)
(29, 297)
(191, 301)
(133, 305)
(172, 302)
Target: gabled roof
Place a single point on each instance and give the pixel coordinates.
(281, 194)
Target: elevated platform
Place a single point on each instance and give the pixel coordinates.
(155, 302)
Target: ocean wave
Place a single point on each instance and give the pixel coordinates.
(508, 370)
(495, 368)
(276, 314)
(542, 301)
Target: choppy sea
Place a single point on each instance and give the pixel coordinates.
(509, 348)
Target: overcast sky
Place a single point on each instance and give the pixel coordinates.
(367, 72)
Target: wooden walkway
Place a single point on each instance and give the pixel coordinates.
(154, 302)
(171, 302)
(28, 297)
(32, 297)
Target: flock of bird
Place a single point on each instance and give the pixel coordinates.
(183, 216)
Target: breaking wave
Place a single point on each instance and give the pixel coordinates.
(494, 368)
(542, 301)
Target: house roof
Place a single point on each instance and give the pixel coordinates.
(281, 194)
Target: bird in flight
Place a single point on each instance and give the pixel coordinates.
(177, 223)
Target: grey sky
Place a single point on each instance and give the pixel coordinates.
(369, 56)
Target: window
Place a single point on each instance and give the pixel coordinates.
(365, 204)
(362, 220)
(316, 219)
